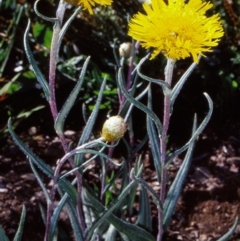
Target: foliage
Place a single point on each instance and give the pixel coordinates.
(104, 212)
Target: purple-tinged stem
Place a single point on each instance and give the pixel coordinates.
(163, 145)
(53, 106)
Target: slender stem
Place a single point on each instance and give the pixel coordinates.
(103, 178)
(121, 97)
(163, 145)
(53, 106)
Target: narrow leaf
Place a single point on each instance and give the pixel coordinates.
(144, 214)
(197, 132)
(40, 181)
(18, 235)
(55, 216)
(176, 187)
(41, 165)
(90, 123)
(154, 139)
(109, 210)
(78, 233)
(71, 210)
(70, 101)
(3, 236)
(230, 232)
(66, 26)
(165, 86)
(111, 233)
(138, 104)
(181, 82)
(42, 81)
(132, 231)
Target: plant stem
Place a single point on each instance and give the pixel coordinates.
(163, 145)
(53, 106)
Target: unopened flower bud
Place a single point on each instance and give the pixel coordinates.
(125, 50)
(113, 128)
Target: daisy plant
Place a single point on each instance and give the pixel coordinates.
(177, 29)
(174, 28)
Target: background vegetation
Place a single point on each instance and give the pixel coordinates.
(218, 73)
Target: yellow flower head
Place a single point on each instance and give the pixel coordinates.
(88, 4)
(176, 29)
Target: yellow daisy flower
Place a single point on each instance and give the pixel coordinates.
(177, 29)
(88, 4)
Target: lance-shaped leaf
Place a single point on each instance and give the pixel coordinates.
(165, 86)
(67, 187)
(18, 235)
(90, 123)
(3, 236)
(180, 83)
(230, 232)
(42, 81)
(63, 184)
(59, 123)
(154, 139)
(132, 231)
(197, 132)
(66, 26)
(144, 214)
(104, 215)
(138, 104)
(176, 187)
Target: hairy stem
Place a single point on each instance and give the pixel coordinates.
(163, 145)
(53, 106)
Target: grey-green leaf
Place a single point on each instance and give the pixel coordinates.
(154, 139)
(3, 236)
(176, 187)
(18, 235)
(67, 187)
(180, 83)
(59, 123)
(42, 81)
(197, 132)
(230, 232)
(144, 214)
(90, 123)
(132, 231)
(138, 104)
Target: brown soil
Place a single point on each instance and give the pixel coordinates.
(207, 208)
